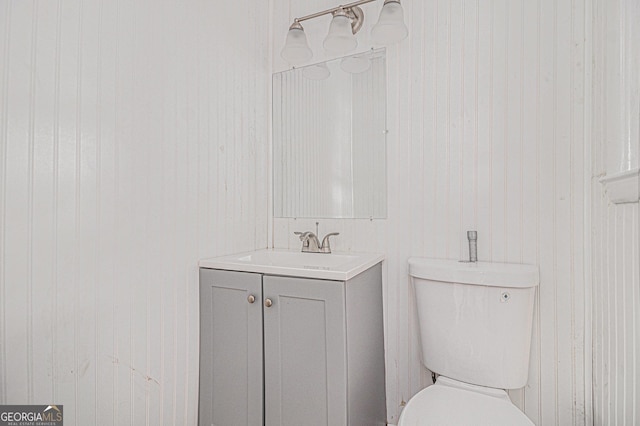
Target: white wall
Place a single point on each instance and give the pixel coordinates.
(616, 311)
(132, 143)
(487, 132)
(615, 229)
(125, 130)
(616, 44)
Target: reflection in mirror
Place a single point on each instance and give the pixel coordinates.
(329, 139)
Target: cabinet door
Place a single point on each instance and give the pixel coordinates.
(305, 352)
(231, 374)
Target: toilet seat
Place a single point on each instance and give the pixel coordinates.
(454, 403)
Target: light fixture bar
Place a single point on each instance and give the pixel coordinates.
(333, 9)
(346, 22)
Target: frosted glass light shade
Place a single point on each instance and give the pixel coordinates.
(355, 64)
(390, 27)
(340, 38)
(316, 72)
(296, 49)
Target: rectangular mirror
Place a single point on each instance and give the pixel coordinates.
(329, 139)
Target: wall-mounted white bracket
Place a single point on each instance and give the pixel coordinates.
(623, 187)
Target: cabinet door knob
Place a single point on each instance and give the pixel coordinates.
(268, 303)
(251, 298)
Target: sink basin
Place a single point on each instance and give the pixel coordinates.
(334, 266)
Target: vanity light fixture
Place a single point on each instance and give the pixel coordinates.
(296, 49)
(342, 35)
(346, 22)
(355, 64)
(316, 72)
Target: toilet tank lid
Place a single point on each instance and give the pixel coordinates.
(479, 273)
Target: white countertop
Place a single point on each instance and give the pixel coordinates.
(293, 263)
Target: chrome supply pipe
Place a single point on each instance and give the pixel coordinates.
(472, 236)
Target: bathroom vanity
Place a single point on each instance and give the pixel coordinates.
(289, 338)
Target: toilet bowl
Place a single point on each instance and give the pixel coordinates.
(453, 403)
(475, 322)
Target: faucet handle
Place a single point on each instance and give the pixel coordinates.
(326, 246)
(304, 237)
(309, 240)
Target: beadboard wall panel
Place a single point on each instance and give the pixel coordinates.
(131, 144)
(486, 131)
(616, 311)
(615, 228)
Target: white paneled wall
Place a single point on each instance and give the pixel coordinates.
(132, 143)
(486, 116)
(615, 228)
(616, 312)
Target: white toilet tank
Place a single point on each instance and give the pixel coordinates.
(475, 319)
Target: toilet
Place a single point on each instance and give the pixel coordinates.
(475, 322)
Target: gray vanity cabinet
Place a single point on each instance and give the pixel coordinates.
(323, 350)
(304, 352)
(231, 370)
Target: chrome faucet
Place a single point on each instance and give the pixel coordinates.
(310, 243)
(326, 247)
